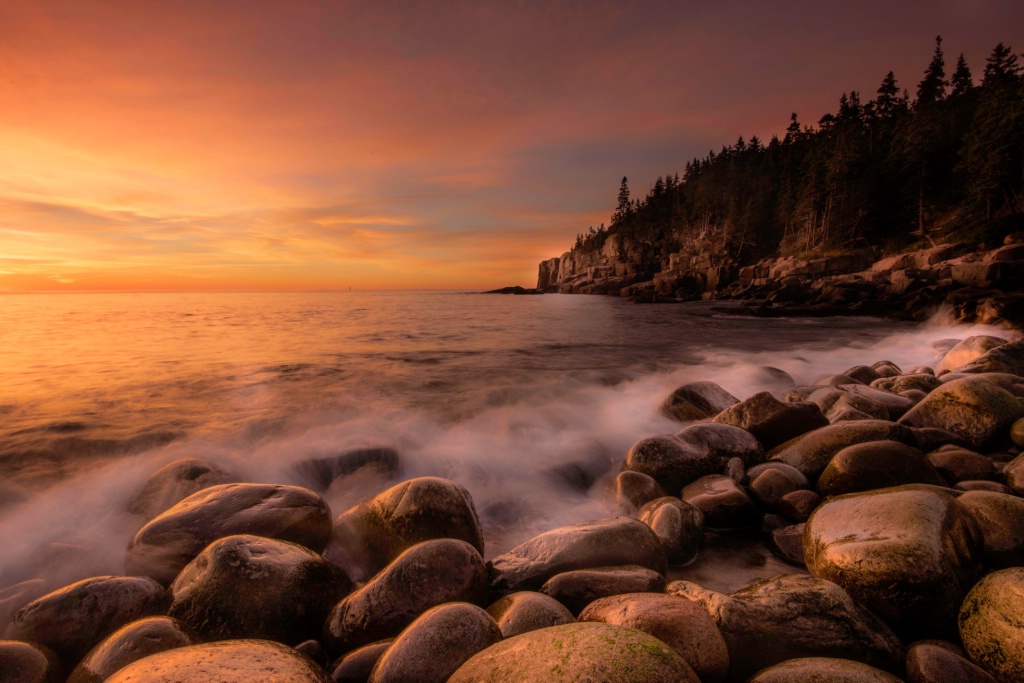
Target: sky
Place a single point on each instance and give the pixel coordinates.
(315, 144)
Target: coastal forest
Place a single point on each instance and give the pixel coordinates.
(895, 171)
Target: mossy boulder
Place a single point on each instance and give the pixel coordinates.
(229, 661)
(991, 624)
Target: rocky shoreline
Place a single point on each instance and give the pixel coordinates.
(896, 496)
(977, 283)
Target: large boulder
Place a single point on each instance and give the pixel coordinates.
(922, 381)
(174, 482)
(171, 540)
(676, 460)
(697, 401)
(793, 616)
(895, 405)
(967, 351)
(677, 524)
(232, 661)
(577, 589)
(812, 452)
(723, 502)
(1006, 358)
(1013, 475)
(28, 663)
(633, 490)
(972, 408)
(838, 405)
(771, 482)
(131, 643)
(74, 619)
(679, 623)
(909, 553)
(937, 662)
(1001, 520)
(578, 652)
(288, 590)
(602, 543)
(770, 420)
(424, 576)
(528, 611)
(356, 665)
(823, 670)
(991, 627)
(874, 465)
(957, 464)
(377, 530)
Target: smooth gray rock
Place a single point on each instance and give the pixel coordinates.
(723, 502)
(928, 662)
(633, 490)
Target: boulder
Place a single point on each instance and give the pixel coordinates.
(874, 465)
(770, 420)
(886, 368)
(679, 623)
(357, 665)
(723, 502)
(909, 553)
(929, 662)
(863, 374)
(377, 530)
(967, 351)
(697, 401)
(174, 482)
(431, 648)
(578, 652)
(610, 542)
(74, 619)
(231, 661)
(957, 464)
(981, 485)
(812, 452)
(1006, 358)
(314, 650)
(171, 540)
(837, 404)
(798, 506)
(131, 643)
(633, 490)
(528, 611)
(924, 382)
(972, 408)
(577, 589)
(677, 524)
(28, 663)
(930, 439)
(772, 484)
(791, 616)
(822, 669)
(788, 543)
(1013, 475)
(1017, 433)
(1001, 520)
(320, 472)
(424, 576)
(288, 590)
(991, 627)
(895, 405)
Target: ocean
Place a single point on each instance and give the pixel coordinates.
(528, 401)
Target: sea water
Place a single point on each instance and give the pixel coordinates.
(530, 402)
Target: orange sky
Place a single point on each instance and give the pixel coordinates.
(224, 144)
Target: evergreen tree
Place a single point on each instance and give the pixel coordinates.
(624, 208)
(932, 87)
(961, 82)
(888, 102)
(1001, 66)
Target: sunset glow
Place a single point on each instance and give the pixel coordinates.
(318, 145)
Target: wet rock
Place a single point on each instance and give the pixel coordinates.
(577, 589)
(772, 484)
(771, 421)
(677, 524)
(793, 616)
(1006, 358)
(436, 644)
(28, 663)
(967, 351)
(74, 619)
(231, 661)
(14, 597)
(602, 543)
(895, 405)
(1017, 433)
(820, 669)
(957, 464)
(319, 473)
(679, 623)
(697, 401)
(357, 665)
(931, 438)
(928, 662)
(798, 506)
(633, 490)
(863, 374)
(886, 368)
(991, 627)
(982, 485)
(174, 482)
(837, 403)
(377, 530)
(875, 465)
(773, 379)
(424, 576)
(528, 611)
(1001, 520)
(724, 503)
(788, 543)
(972, 408)
(812, 452)
(578, 652)
(131, 643)
(791, 472)
(168, 542)
(735, 470)
(909, 553)
(314, 650)
(835, 380)
(924, 382)
(288, 590)
(1013, 475)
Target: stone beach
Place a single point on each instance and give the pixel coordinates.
(893, 498)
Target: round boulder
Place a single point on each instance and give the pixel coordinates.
(633, 490)
(174, 482)
(436, 644)
(972, 408)
(1013, 475)
(677, 524)
(874, 465)
(991, 626)
(528, 611)
(579, 588)
(288, 590)
(171, 540)
(1017, 433)
(821, 669)
(770, 486)
(357, 665)
(1001, 520)
(798, 506)
(770, 420)
(28, 663)
(578, 652)
(812, 452)
(697, 401)
(959, 464)
(929, 662)
(967, 351)
(723, 502)
(231, 661)
(130, 643)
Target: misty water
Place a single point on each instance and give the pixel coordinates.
(521, 399)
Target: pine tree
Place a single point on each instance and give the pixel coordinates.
(962, 82)
(932, 87)
(887, 102)
(793, 129)
(624, 208)
(1001, 66)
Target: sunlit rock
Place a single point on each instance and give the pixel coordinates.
(973, 408)
(230, 661)
(131, 643)
(528, 611)
(820, 669)
(578, 588)
(677, 524)
(174, 482)
(991, 626)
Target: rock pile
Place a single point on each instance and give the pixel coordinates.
(897, 498)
